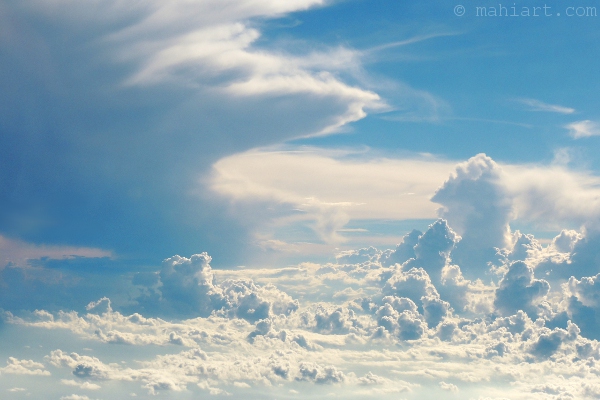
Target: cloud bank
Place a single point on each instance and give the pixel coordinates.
(478, 311)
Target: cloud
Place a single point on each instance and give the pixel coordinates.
(320, 375)
(189, 284)
(519, 290)
(548, 342)
(414, 284)
(75, 397)
(18, 252)
(400, 329)
(404, 250)
(449, 387)
(169, 89)
(24, 367)
(582, 129)
(82, 385)
(187, 287)
(479, 207)
(480, 199)
(433, 248)
(536, 105)
(346, 188)
(553, 196)
(583, 303)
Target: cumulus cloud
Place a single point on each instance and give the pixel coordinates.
(82, 385)
(519, 290)
(318, 374)
(477, 205)
(188, 283)
(413, 284)
(582, 297)
(401, 330)
(74, 397)
(449, 387)
(404, 250)
(366, 323)
(400, 317)
(24, 367)
(187, 287)
(433, 248)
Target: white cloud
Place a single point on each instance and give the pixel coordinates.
(315, 185)
(400, 329)
(24, 367)
(327, 191)
(182, 79)
(519, 290)
(553, 196)
(187, 287)
(449, 387)
(204, 44)
(82, 385)
(75, 397)
(536, 105)
(585, 128)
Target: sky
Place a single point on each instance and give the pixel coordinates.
(299, 199)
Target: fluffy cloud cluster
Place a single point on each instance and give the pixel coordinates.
(368, 323)
(375, 322)
(187, 287)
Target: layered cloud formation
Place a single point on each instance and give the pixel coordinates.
(520, 320)
(275, 188)
(112, 109)
(358, 324)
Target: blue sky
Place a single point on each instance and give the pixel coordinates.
(195, 179)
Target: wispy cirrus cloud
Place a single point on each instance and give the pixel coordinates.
(537, 105)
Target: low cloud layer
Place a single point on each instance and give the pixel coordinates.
(375, 322)
(461, 308)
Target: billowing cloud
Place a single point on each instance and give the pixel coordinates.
(583, 305)
(371, 322)
(478, 205)
(519, 290)
(480, 199)
(187, 287)
(287, 330)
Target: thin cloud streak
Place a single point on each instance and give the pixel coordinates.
(537, 105)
